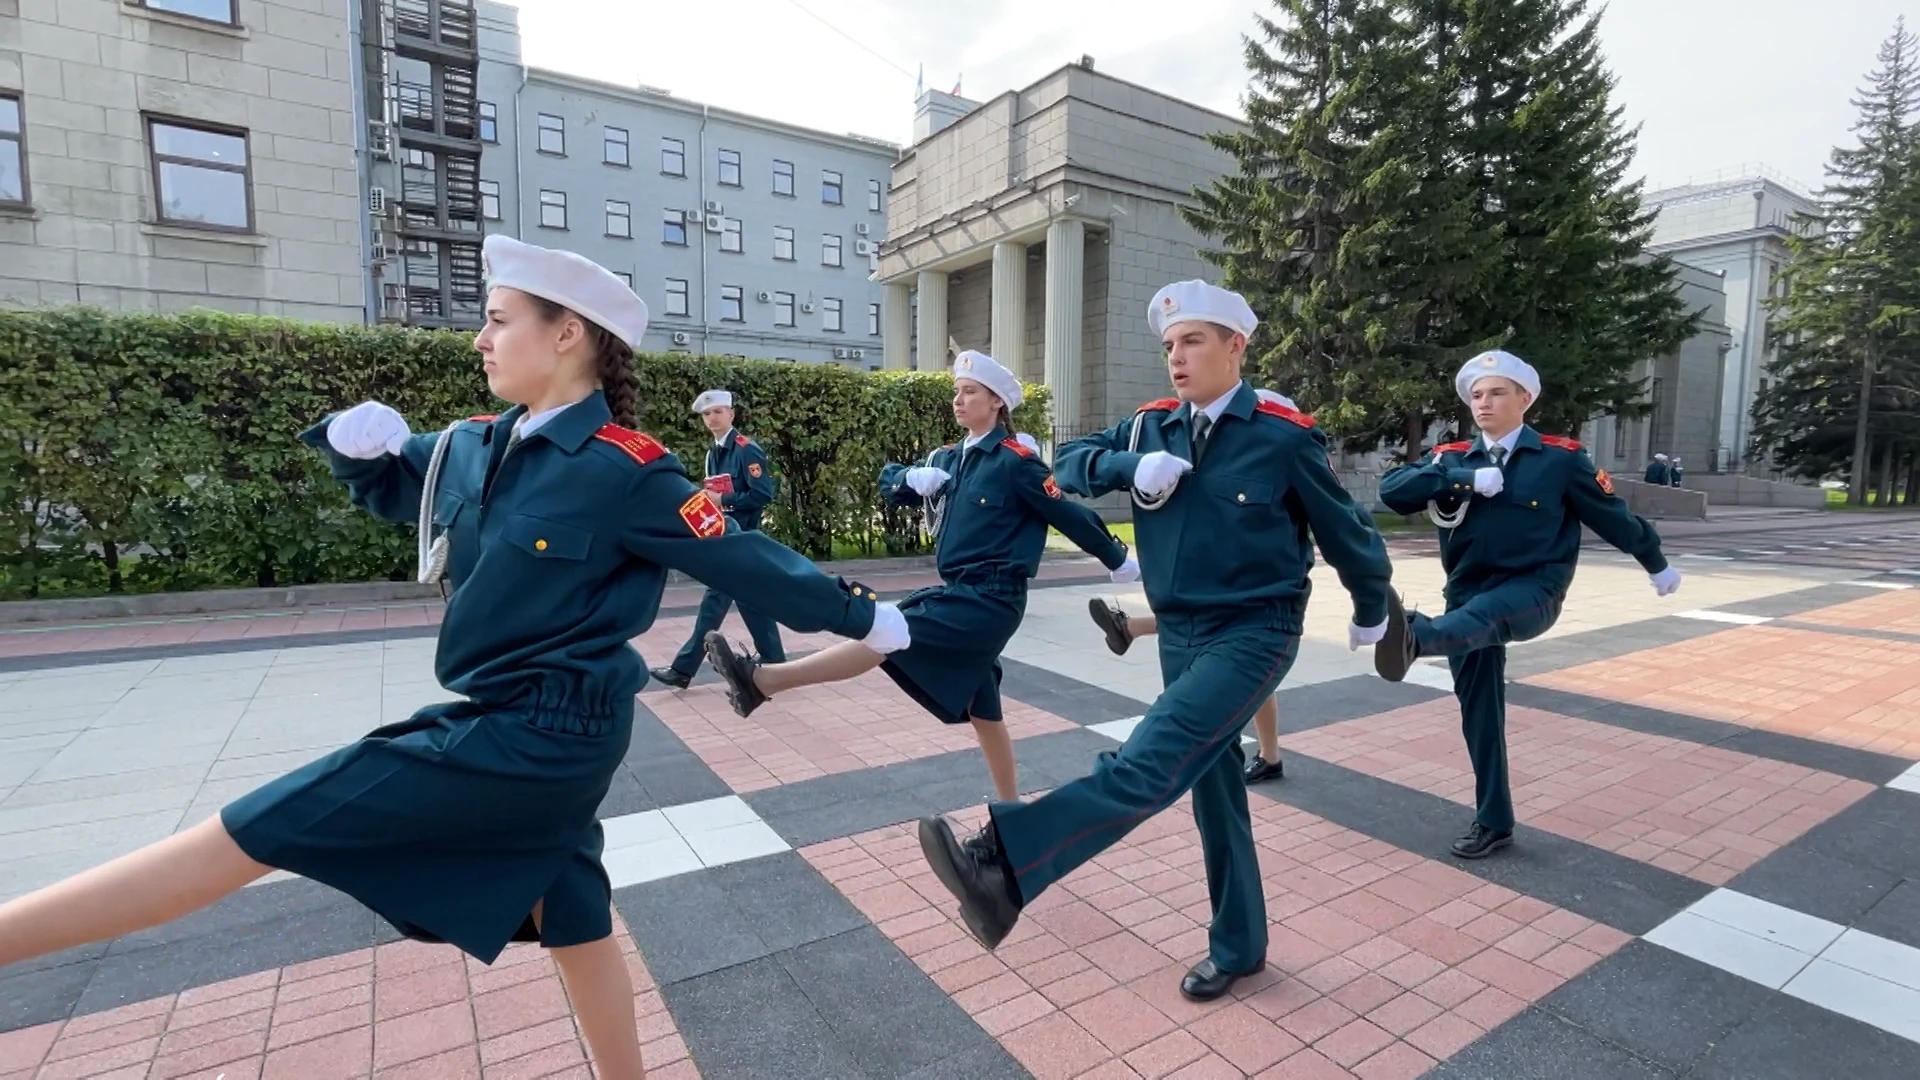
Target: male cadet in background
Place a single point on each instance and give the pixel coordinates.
(1227, 488)
(1659, 473)
(1509, 506)
(741, 481)
(1675, 472)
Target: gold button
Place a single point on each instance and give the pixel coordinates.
(539, 545)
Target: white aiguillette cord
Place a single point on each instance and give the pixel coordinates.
(433, 550)
(1146, 502)
(933, 509)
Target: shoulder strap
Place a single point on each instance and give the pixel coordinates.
(638, 445)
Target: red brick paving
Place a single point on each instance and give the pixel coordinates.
(1697, 810)
(1897, 610)
(404, 1011)
(1841, 689)
(822, 730)
(1380, 961)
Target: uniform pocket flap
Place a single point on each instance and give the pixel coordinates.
(546, 539)
(1239, 490)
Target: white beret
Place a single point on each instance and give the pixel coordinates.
(1275, 396)
(1659, 457)
(989, 373)
(713, 399)
(1496, 362)
(572, 281)
(1191, 301)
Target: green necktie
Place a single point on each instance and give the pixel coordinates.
(1499, 455)
(1202, 427)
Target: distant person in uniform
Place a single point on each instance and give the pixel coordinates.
(740, 479)
(1679, 473)
(1510, 505)
(1659, 472)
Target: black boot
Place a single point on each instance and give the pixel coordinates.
(737, 672)
(1112, 622)
(977, 874)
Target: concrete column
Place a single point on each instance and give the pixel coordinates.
(896, 327)
(931, 352)
(1066, 276)
(1010, 306)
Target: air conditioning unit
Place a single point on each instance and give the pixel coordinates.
(763, 296)
(806, 308)
(862, 229)
(857, 354)
(380, 140)
(680, 337)
(393, 301)
(377, 201)
(381, 254)
(714, 207)
(839, 354)
(716, 223)
(696, 214)
(863, 247)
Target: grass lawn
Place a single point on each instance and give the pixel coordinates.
(1837, 500)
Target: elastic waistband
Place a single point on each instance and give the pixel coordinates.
(987, 575)
(1283, 616)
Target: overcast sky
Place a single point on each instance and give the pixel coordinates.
(1713, 84)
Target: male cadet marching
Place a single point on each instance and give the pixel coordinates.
(1509, 506)
(740, 479)
(1227, 487)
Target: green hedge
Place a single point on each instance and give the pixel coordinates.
(148, 453)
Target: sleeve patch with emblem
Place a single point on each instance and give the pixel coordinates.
(1605, 481)
(753, 469)
(703, 516)
(1052, 489)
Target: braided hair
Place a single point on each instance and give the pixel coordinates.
(613, 363)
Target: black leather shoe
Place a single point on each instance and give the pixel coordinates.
(1259, 768)
(1205, 981)
(1481, 842)
(670, 677)
(1394, 653)
(1112, 622)
(976, 874)
(737, 671)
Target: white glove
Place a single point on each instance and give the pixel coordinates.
(1157, 473)
(1128, 572)
(1488, 481)
(367, 430)
(889, 633)
(1358, 636)
(1027, 441)
(1666, 582)
(925, 481)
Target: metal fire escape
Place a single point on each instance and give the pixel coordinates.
(423, 66)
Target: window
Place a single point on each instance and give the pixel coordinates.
(201, 175)
(873, 196)
(729, 168)
(553, 135)
(873, 320)
(619, 219)
(614, 151)
(673, 157)
(783, 243)
(783, 309)
(730, 235)
(215, 11)
(673, 228)
(553, 209)
(732, 304)
(783, 178)
(13, 150)
(677, 297)
(625, 278)
(489, 122)
(830, 314)
(830, 184)
(490, 199)
(830, 251)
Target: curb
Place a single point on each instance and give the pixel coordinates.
(214, 601)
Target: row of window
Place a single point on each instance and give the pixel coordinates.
(201, 172)
(616, 149)
(733, 306)
(675, 225)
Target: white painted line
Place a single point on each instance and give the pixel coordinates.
(1707, 615)
(1907, 781)
(1907, 572)
(1876, 584)
(1757, 551)
(1749, 957)
(1708, 558)
(680, 839)
(1767, 921)
(1838, 988)
(1117, 730)
(1433, 676)
(709, 814)
(1878, 957)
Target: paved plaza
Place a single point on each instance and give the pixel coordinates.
(1716, 873)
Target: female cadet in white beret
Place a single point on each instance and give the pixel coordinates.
(474, 822)
(996, 499)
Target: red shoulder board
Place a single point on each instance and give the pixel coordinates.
(487, 419)
(1453, 448)
(1291, 416)
(1163, 405)
(741, 440)
(1560, 441)
(1017, 447)
(637, 445)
